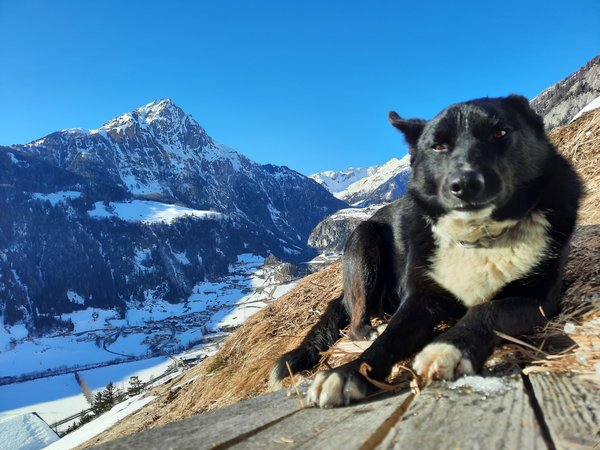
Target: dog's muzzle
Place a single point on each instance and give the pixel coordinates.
(466, 185)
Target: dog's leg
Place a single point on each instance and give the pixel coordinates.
(366, 269)
(464, 348)
(410, 328)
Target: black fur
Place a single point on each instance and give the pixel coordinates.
(489, 154)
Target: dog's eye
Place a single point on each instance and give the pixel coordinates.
(499, 134)
(440, 148)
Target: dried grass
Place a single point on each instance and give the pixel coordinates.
(580, 143)
(240, 369)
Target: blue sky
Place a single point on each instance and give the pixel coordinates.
(307, 84)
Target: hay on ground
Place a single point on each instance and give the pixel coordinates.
(579, 142)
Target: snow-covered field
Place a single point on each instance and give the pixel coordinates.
(55, 398)
(147, 211)
(105, 421)
(102, 345)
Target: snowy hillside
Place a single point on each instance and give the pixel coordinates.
(368, 185)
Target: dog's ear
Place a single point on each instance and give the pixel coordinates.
(521, 104)
(412, 128)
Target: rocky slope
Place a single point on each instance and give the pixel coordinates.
(561, 102)
(139, 209)
(331, 234)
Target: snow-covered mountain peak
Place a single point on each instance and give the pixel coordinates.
(162, 113)
(163, 110)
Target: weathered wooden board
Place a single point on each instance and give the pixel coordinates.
(463, 418)
(212, 428)
(571, 410)
(339, 428)
(441, 417)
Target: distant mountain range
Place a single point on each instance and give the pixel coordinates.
(141, 208)
(366, 186)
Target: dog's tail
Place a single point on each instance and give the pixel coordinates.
(321, 336)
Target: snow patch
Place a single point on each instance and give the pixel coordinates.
(98, 425)
(148, 212)
(569, 328)
(217, 152)
(56, 197)
(74, 297)
(336, 182)
(356, 213)
(487, 385)
(182, 258)
(25, 432)
(594, 104)
(140, 257)
(58, 397)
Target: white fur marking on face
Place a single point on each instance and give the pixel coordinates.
(475, 275)
(441, 361)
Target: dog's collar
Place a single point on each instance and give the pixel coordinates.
(486, 241)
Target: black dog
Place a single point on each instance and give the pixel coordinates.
(482, 236)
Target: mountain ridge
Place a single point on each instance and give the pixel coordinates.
(559, 104)
(365, 186)
(69, 226)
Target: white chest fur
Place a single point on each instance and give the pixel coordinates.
(474, 274)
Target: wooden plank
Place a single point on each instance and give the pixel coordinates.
(326, 429)
(571, 409)
(468, 418)
(213, 428)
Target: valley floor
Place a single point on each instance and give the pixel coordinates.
(38, 374)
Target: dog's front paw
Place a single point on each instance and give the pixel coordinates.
(337, 387)
(441, 361)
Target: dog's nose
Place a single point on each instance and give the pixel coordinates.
(466, 184)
